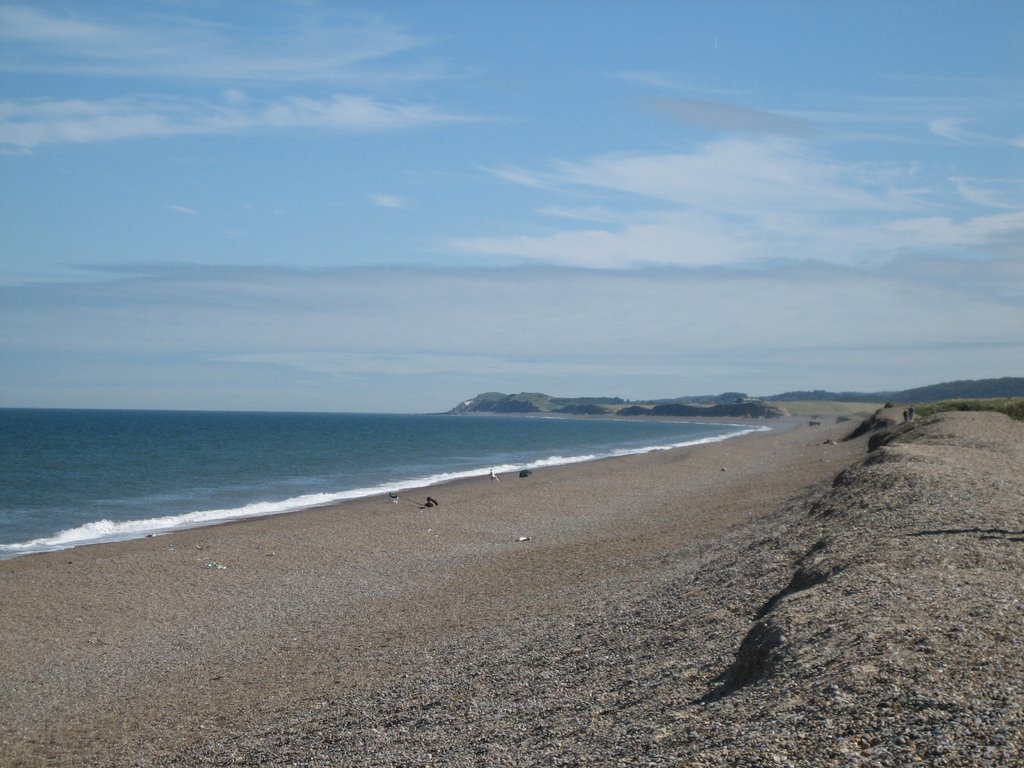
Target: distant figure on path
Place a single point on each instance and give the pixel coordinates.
(494, 477)
(910, 413)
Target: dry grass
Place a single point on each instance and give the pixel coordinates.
(825, 408)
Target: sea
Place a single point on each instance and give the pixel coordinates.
(75, 477)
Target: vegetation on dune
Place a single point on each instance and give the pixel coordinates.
(1011, 406)
(824, 408)
(1008, 387)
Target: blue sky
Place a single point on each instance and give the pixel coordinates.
(391, 206)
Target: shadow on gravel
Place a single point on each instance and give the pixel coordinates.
(758, 657)
(763, 648)
(804, 578)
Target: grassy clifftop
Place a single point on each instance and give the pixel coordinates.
(533, 402)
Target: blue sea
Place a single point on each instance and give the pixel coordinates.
(74, 477)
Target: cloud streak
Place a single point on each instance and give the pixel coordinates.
(318, 53)
(772, 174)
(752, 200)
(387, 201)
(304, 50)
(31, 124)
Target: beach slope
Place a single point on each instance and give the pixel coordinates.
(782, 598)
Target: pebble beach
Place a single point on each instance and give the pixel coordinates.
(788, 597)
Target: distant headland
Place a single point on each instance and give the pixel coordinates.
(739, 404)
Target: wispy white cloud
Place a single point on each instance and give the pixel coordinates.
(771, 174)
(347, 111)
(941, 232)
(235, 96)
(687, 238)
(29, 24)
(948, 128)
(991, 193)
(727, 202)
(746, 201)
(522, 176)
(288, 49)
(30, 124)
(593, 213)
(184, 210)
(387, 201)
(339, 61)
(955, 129)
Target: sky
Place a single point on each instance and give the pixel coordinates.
(394, 206)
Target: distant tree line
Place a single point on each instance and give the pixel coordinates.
(1008, 386)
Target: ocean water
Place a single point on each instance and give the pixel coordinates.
(74, 477)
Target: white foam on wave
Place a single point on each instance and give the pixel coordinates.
(108, 530)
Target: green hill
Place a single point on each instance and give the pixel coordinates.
(1008, 386)
(532, 402)
(807, 402)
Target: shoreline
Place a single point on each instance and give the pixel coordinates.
(69, 539)
(127, 653)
